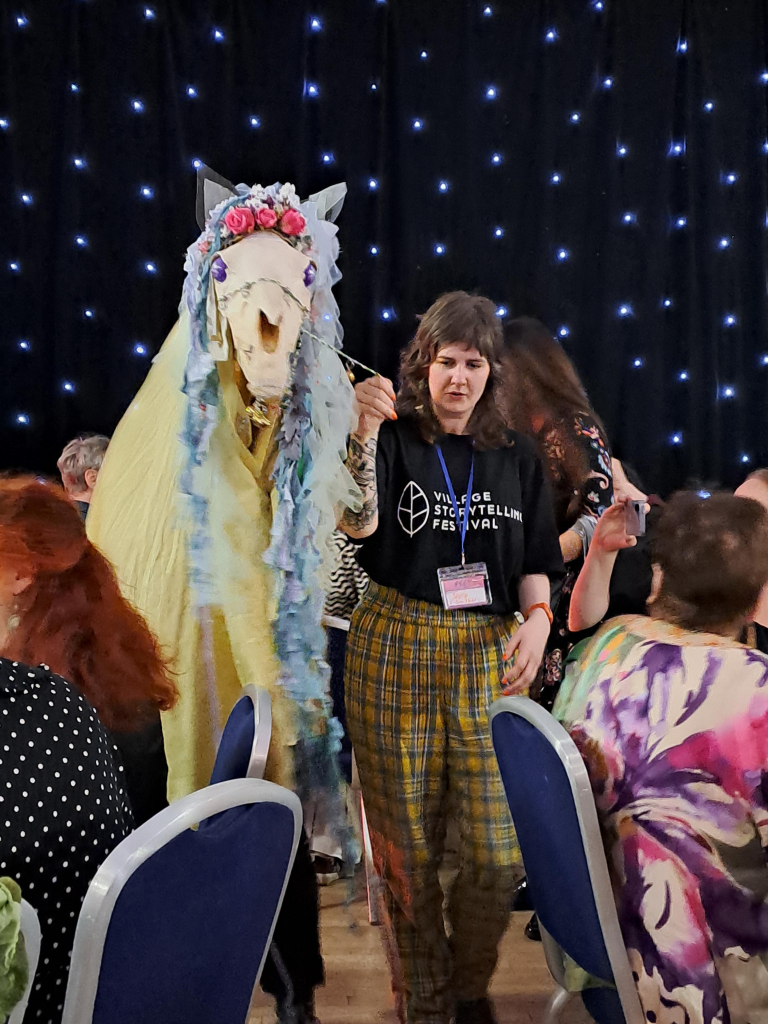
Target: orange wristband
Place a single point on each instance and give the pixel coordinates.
(544, 607)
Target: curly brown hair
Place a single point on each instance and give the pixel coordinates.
(455, 318)
(714, 556)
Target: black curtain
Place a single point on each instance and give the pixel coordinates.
(603, 167)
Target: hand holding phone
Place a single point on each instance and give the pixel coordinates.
(634, 513)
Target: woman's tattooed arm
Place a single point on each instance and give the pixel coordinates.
(361, 463)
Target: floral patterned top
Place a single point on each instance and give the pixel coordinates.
(673, 727)
(597, 493)
(596, 496)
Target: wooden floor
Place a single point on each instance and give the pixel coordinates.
(357, 989)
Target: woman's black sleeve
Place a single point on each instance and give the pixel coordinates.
(598, 487)
(542, 544)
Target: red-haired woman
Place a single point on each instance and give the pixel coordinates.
(63, 608)
(60, 606)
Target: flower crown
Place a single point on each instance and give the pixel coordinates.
(261, 209)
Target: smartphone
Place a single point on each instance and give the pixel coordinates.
(635, 518)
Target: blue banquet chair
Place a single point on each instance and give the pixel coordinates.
(553, 808)
(176, 924)
(244, 744)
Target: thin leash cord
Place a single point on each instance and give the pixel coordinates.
(341, 354)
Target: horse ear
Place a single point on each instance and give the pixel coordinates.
(330, 201)
(211, 190)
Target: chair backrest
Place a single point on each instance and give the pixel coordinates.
(176, 924)
(30, 929)
(244, 745)
(553, 808)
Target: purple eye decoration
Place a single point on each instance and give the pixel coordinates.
(309, 274)
(219, 269)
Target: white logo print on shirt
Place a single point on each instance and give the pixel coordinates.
(484, 512)
(413, 509)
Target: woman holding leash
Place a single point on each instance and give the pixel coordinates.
(459, 540)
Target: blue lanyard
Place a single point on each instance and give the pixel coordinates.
(461, 520)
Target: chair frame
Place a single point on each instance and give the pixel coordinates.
(30, 929)
(372, 880)
(597, 865)
(133, 851)
(373, 883)
(262, 729)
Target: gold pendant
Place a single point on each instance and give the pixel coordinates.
(258, 413)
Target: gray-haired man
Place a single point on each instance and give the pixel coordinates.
(79, 465)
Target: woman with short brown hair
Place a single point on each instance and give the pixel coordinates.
(671, 716)
(458, 537)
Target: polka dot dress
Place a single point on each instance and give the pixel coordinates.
(63, 808)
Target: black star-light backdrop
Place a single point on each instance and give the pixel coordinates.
(602, 164)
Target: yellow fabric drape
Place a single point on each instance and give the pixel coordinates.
(139, 520)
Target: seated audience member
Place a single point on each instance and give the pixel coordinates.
(79, 465)
(63, 607)
(670, 713)
(756, 486)
(616, 576)
(62, 802)
(65, 610)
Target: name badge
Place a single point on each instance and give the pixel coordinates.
(464, 586)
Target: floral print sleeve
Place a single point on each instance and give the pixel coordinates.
(598, 493)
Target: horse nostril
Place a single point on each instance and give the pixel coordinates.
(268, 333)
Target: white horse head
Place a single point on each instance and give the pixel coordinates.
(261, 288)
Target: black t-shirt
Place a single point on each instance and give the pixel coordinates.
(511, 524)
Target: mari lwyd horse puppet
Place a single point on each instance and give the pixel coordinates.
(223, 480)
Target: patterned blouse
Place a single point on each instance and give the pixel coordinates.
(596, 496)
(673, 727)
(64, 808)
(597, 492)
(348, 582)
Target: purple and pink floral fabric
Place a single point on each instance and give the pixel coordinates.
(673, 727)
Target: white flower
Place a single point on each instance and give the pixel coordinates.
(287, 196)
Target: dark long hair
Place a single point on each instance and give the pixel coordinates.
(542, 382)
(455, 318)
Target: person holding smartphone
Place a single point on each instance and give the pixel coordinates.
(458, 536)
(616, 576)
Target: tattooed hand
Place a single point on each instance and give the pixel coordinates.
(376, 403)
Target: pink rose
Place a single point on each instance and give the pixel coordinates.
(204, 245)
(292, 223)
(240, 220)
(266, 218)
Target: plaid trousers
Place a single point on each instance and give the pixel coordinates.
(419, 681)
